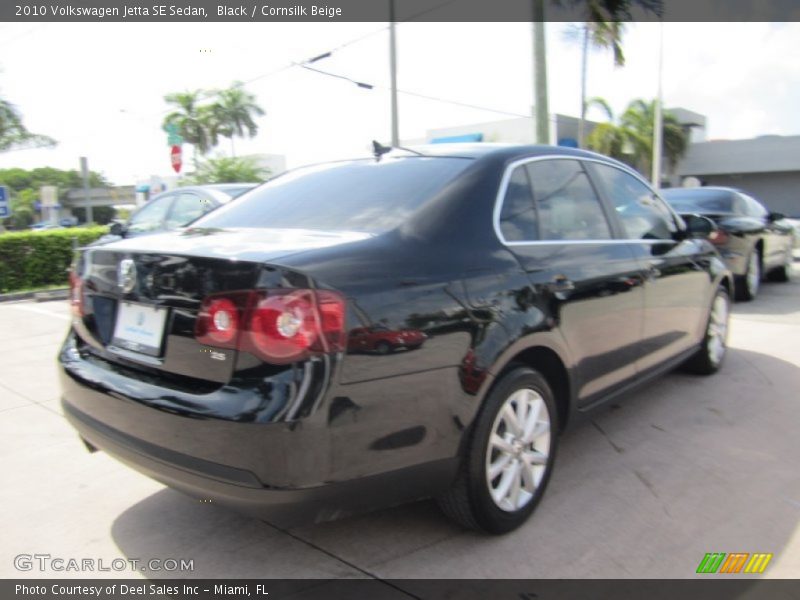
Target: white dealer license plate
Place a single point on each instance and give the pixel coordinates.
(139, 328)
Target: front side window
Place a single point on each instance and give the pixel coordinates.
(754, 208)
(567, 206)
(151, 216)
(643, 214)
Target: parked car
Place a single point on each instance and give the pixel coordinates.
(753, 241)
(44, 226)
(381, 339)
(175, 208)
(547, 280)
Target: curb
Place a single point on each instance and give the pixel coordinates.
(56, 294)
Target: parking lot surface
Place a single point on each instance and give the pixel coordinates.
(644, 488)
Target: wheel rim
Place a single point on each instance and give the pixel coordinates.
(718, 330)
(753, 274)
(519, 446)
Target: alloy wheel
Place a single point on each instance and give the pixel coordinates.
(518, 450)
(753, 277)
(718, 330)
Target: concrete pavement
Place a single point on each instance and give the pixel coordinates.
(645, 488)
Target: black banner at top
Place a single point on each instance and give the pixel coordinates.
(149, 11)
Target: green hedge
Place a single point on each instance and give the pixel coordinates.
(30, 259)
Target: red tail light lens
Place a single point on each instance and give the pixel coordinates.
(218, 323)
(278, 326)
(718, 237)
(283, 327)
(75, 294)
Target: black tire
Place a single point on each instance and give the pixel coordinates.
(747, 285)
(706, 361)
(783, 273)
(469, 502)
(383, 348)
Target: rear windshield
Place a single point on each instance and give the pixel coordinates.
(365, 196)
(705, 201)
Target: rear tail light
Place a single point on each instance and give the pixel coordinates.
(75, 294)
(718, 237)
(278, 326)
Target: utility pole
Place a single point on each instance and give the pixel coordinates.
(658, 120)
(584, 61)
(540, 108)
(87, 199)
(393, 72)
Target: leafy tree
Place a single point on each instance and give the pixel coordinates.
(229, 169)
(13, 133)
(25, 188)
(631, 138)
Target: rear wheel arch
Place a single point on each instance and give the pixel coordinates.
(546, 361)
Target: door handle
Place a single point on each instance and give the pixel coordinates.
(561, 283)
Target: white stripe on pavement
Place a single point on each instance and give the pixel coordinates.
(40, 311)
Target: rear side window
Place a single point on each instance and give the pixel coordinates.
(567, 206)
(518, 215)
(365, 196)
(643, 214)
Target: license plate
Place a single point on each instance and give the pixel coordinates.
(139, 328)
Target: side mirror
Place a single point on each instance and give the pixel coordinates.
(117, 228)
(775, 216)
(698, 226)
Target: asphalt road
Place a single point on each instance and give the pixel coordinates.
(644, 489)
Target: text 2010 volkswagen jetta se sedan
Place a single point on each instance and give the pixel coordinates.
(538, 281)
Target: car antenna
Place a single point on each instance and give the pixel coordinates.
(379, 150)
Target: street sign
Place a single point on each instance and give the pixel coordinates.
(5, 207)
(175, 157)
(173, 137)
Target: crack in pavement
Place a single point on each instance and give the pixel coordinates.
(341, 560)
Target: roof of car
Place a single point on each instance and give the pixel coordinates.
(706, 190)
(477, 150)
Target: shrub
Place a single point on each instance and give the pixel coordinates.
(30, 259)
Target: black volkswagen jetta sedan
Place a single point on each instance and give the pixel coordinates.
(545, 281)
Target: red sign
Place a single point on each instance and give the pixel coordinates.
(175, 157)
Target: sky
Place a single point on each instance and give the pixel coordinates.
(98, 88)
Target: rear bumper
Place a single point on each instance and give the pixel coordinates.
(279, 471)
(242, 491)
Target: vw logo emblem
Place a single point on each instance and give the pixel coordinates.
(126, 275)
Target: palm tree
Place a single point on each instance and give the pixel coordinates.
(602, 15)
(600, 34)
(194, 121)
(234, 113)
(631, 139)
